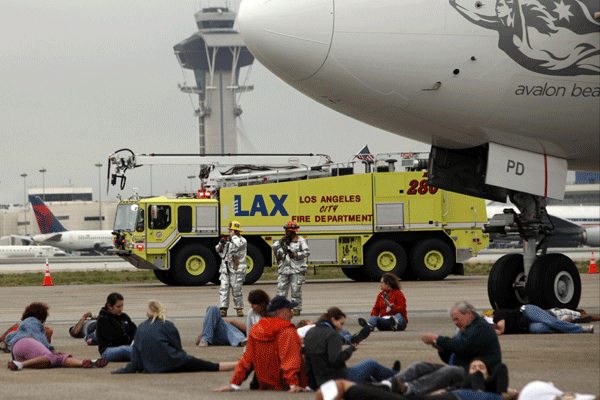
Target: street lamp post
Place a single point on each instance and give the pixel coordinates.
(24, 175)
(43, 171)
(190, 177)
(99, 195)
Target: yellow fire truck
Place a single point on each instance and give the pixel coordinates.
(362, 216)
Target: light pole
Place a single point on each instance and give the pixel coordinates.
(43, 171)
(190, 177)
(24, 175)
(99, 195)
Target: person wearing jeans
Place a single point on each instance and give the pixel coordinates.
(115, 330)
(326, 360)
(532, 319)
(389, 311)
(218, 332)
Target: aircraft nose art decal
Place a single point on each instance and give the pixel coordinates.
(550, 37)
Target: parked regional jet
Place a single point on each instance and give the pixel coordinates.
(55, 234)
(30, 251)
(505, 91)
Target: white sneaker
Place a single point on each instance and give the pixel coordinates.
(203, 343)
(588, 329)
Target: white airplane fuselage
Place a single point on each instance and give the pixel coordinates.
(93, 240)
(454, 74)
(30, 251)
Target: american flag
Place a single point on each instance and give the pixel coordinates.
(365, 154)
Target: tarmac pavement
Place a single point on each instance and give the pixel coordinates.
(570, 361)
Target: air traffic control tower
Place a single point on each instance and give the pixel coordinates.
(215, 53)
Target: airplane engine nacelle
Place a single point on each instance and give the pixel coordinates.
(592, 236)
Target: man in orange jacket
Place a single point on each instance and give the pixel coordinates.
(274, 350)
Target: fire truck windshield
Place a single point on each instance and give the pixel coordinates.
(126, 217)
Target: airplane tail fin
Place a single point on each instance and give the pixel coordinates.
(45, 219)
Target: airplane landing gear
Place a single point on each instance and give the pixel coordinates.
(546, 280)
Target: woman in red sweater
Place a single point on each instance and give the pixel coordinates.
(389, 312)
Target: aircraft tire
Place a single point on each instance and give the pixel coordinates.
(384, 256)
(356, 274)
(554, 281)
(165, 277)
(431, 259)
(194, 265)
(255, 263)
(507, 270)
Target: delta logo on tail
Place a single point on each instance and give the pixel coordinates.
(550, 37)
(45, 219)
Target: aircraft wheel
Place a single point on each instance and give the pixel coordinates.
(554, 281)
(194, 265)
(385, 256)
(356, 274)
(432, 259)
(164, 277)
(255, 263)
(507, 271)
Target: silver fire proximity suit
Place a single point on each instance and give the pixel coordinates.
(292, 267)
(232, 270)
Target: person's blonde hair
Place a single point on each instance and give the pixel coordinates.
(155, 310)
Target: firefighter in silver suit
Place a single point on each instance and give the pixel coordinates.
(291, 252)
(233, 269)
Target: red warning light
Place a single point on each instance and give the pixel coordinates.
(140, 246)
(203, 194)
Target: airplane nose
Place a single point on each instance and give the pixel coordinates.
(289, 37)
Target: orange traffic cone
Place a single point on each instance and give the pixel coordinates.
(593, 269)
(47, 278)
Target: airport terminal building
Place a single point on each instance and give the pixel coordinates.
(73, 207)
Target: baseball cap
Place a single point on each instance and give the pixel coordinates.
(280, 302)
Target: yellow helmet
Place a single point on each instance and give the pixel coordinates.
(235, 226)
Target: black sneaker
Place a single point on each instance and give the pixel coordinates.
(394, 323)
(361, 335)
(362, 322)
(397, 366)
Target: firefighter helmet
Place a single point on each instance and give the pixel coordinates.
(291, 226)
(235, 226)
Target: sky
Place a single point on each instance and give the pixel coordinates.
(79, 80)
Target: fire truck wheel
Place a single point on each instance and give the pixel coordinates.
(507, 271)
(385, 256)
(554, 281)
(356, 274)
(194, 265)
(432, 259)
(255, 263)
(165, 277)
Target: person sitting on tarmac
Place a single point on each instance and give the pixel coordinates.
(532, 319)
(274, 350)
(475, 338)
(115, 330)
(85, 328)
(218, 331)
(325, 358)
(157, 348)
(389, 311)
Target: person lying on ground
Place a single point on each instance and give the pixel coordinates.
(218, 331)
(31, 349)
(325, 359)
(85, 328)
(389, 311)
(480, 377)
(5, 347)
(157, 348)
(532, 319)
